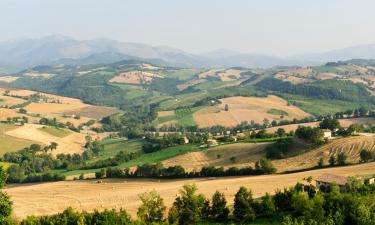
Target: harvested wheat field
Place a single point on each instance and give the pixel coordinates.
(5, 113)
(94, 112)
(351, 146)
(53, 108)
(343, 123)
(72, 143)
(165, 113)
(8, 79)
(247, 109)
(7, 101)
(49, 198)
(245, 155)
(134, 77)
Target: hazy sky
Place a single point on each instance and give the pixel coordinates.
(279, 27)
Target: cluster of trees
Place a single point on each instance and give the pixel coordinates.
(17, 119)
(299, 205)
(264, 166)
(155, 143)
(367, 156)
(314, 135)
(279, 149)
(29, 165)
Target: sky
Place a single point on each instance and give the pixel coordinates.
(276, 27)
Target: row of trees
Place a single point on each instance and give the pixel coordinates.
(264, 166)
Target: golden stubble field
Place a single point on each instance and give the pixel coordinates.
(343, 123)
(246, 154)
(351, 146)
(246, 109)
(49, 198)
(73, 143)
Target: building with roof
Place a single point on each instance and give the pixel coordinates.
(325, 181)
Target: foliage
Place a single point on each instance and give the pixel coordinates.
(243, 210)
(187, 207)
(152, 207)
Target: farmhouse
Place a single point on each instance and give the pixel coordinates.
(326, 180)
(327, 133)
(212, 142)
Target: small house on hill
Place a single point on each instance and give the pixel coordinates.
(327, 133)
(325, 181)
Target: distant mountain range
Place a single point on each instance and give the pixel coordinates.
(24, 53)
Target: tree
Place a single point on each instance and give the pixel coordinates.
(226, 107)
(187, 207)
(100, 174)
(280, 132)
(267, 166)
(219, 209)
(366, 155)
(3, 177)
(152, 208)
(321, 163)
(5, 203)
(332, 160)
(35, 147)
(329, 123)
(243, 210)
(341, 158)
(5, 208)
(53, 145)
(267, 205)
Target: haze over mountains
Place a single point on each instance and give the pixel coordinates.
(23, 53)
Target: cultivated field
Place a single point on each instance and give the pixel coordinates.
(134, 77)
(350, 146)
(70, 144)
(343, 123)
(10, 143)
(245, 155)
(49, 198)
(8, 79)
(247, 109)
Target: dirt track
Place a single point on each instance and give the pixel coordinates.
(48, 198)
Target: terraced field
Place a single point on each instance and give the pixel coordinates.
(350, 146)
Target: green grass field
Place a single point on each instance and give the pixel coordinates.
(181, 74)
(326, 69)
(161, 155)
(277, 112)
(114, 146)
(323, 107)
(143, 159)
(54, 131)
